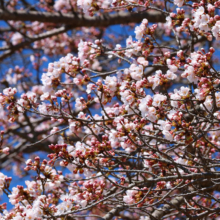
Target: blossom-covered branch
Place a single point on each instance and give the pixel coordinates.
(131, 122)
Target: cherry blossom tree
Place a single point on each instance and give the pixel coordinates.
(110, 108)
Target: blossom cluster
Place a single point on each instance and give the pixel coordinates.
(126, 127)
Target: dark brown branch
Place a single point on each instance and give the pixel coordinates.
(159, 213)
(114, 212)
(79, 21)
(72, 22)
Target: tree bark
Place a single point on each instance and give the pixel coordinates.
(159, 213)
(82, 21)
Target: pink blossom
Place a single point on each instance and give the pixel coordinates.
(16, 38)
(167, 135)
(139, 30)
(179, 3)
(5, 150)
(158, 99)
(85, 4)
(216, 30)
(129, 198)
(136, 71)
(142, 61)
(170, 75)
(10, 91)
(174, 97)
(208, 104)
(111, 83)
(54, 130)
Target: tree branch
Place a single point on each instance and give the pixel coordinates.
(79, 21)
(11, 49)
(113, 212)
(159, 213)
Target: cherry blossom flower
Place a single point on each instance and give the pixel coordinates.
(179, 3)
(139, 30)
(136, 71)
(158, 99)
